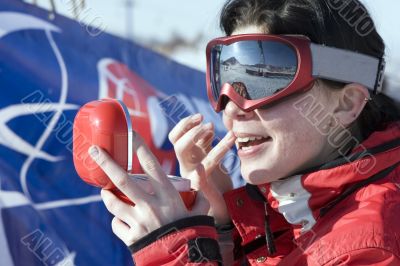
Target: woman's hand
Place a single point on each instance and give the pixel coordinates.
(151, 211)
(192, 143)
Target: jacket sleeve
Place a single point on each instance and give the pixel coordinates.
(187, 241)
(366, 256)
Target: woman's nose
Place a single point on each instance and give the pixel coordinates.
(234, 112)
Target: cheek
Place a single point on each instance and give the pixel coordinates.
(228, 123)
(293, 133)
(299, 136)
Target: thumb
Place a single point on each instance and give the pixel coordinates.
(207, 190)
(201, 206)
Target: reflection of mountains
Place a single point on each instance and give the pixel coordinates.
(230, 61)
(263, 69)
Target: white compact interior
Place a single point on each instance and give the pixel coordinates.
(180, 184)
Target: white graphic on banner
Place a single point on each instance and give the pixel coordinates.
(11, 22)
(123, 86)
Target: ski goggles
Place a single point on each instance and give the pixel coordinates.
(254, 70)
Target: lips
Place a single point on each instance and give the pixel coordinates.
(244, 142)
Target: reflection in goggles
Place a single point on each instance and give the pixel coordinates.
(257, 68)
(241, 89)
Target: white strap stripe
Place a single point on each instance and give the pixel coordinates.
(344, 66)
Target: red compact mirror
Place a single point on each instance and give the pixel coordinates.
(107, 124)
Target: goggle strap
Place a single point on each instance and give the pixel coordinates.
(346, 66)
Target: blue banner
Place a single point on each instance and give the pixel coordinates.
(48, 69)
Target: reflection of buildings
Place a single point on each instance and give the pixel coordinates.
(271, 71)
(262, 70)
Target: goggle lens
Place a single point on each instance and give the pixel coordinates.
(255, 69)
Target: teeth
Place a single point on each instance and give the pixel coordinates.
(246, 148)
(240, 141)
(247, 139)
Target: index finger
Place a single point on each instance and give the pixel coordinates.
(118, 176)
(214, 157)
(150, 165)
(183, 126)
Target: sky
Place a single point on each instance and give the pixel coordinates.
(157, 21)
(150, 22)
(154, 23)
(275, 54)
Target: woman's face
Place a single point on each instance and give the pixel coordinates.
(290, 143)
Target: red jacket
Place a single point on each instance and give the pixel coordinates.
(346, 212)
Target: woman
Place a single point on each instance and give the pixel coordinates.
(318, 144)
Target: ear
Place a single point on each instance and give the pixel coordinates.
(352, 100)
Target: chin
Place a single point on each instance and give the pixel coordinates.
(259, 176)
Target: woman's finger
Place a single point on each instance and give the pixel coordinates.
(201, 205)
(184, 126)
(209, 195)
(205, 140)
(128, 235)
(121, 230)
(117, 207)
(215, 156)
(191, 138)
(150, 165)
(118, 175)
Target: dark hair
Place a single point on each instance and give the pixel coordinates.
(343, 24)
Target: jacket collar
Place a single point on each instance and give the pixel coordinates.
(300, 198)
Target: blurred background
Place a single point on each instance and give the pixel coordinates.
(181, 29)
(176, 28)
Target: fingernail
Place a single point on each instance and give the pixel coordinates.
(196, 118)
(208, 126)
(230, 136)
(104, 193)
(93, 151)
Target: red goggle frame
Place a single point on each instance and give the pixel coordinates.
(313, 61)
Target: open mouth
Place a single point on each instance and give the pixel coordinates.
(248, 142)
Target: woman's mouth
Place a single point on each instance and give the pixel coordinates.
(251, 145)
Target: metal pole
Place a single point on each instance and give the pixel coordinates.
(53, 10)
(128, 19)
(75, 9)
